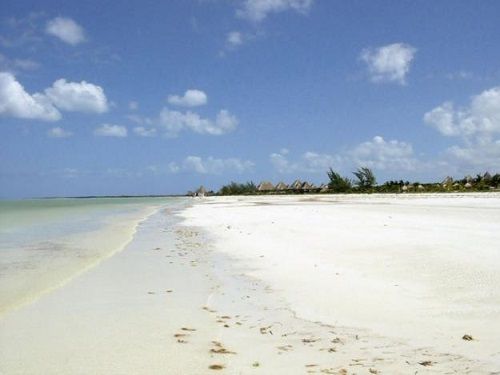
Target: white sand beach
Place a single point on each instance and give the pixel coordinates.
(280, 285)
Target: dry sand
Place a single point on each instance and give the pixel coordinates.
(280, 285)
(420, 271)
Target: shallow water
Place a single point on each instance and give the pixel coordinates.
(46, 242)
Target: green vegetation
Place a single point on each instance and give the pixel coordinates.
(338, 184)
(235, 188)
(365, 182)
(366, 179)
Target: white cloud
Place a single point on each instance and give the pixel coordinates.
(234, 38)
(144, 132)
(16, 102)
(70, 173)
(384, 155)
(173, 167)
(74, 96)
(309, 162)
(66, 30)
(377, 154)
(14, 65)
(62, 95)
(474, 158)
(110, 130)
(477, 126)
(480, 119)
(216, 166)
(58, 132)
(133, 106)
(389, 63)
(258, 10)
(174, 122)
(460, 75)
(191, 98)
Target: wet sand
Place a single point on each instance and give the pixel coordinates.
(279, 285)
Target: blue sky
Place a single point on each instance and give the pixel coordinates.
(149, 97)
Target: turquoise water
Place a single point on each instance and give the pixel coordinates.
(46, 242)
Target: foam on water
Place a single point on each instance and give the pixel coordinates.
(44, 243)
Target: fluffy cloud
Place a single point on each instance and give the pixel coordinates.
(191, 98)
(471, 158)
(234, 38)
(174, 122)
(144, 132)
(216, 166)
(133, 106)
(58, 132)
(377, 153)
(62, 95)
(16, 102)
(310, 162)
(389, 63)
(77, 96)
(109, 130)
(478, 128)
(14, 65)
(66, 30)
(480, 119)
(258, 10)
(384, 155)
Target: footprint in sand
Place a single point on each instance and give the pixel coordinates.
(216, 367)
(219, 349)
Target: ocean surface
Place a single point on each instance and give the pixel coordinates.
(46, 242)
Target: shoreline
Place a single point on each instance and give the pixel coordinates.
(70, 273)
(181, 297)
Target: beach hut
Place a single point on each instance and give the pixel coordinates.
(201, 192)
(468, 185)
(404, 189)
(265, 187)
(296, 186)
(306, 186)
(421, 187)
(448, 181)
(281, 187)
(323, 188)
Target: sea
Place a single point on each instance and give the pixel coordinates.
(44, 243)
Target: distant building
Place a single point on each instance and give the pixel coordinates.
(201, 192)
(265, 186)
(323, 188)
(448, 181)
(281, 186)
(296, 185)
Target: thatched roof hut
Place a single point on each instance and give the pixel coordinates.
(305, 185)
(265, 186)
(296, 185)
(447, 181)
(468, 185)
(323, 188)
(281, 186)
(201, 192)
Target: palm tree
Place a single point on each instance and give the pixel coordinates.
(366, 178)
(338, 183)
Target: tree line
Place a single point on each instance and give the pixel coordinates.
(364, 181)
